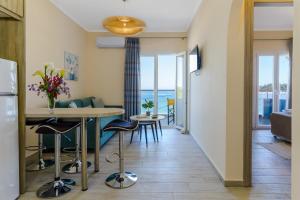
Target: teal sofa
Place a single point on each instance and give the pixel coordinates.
(68, 140)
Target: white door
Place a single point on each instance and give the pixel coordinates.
(272, 87)
(181, 93)
(9, 147)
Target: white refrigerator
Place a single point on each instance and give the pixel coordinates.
(9, 144)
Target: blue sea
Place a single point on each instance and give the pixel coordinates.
(163, 95)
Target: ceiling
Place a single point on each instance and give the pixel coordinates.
(159, 15)
(273, 18)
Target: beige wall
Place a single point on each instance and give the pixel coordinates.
(235, 93)
(277, 35)
(48, 34)
(105, 67)
(163, 45)
(217, 93)
(208, 90)
(296, 107)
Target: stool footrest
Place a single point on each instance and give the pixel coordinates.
(35, 148)
(109, 160)
(70, 150)
(74, 167)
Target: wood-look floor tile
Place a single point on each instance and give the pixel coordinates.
(174, 169)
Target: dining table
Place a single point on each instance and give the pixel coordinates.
(83, 114)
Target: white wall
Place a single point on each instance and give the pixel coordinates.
(296, 106)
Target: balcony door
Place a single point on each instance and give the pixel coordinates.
(181, 92)
(272, 86)
(162, 78)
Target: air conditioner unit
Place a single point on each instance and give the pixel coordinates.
(110, 42)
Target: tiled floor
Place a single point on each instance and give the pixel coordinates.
(173, 169)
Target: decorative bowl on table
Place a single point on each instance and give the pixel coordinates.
(154, 116)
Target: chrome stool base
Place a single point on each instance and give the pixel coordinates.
(43, 164)
(55, 188)
(75, 167)
(121, 180)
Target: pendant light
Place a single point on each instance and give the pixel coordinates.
(124, 25)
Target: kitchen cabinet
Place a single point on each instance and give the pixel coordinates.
(12, 8)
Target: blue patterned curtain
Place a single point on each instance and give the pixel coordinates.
(132, 78)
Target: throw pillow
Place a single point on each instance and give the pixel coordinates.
(98, 103)
(73, 105)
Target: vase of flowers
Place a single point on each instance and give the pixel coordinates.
(52, 85)
(148, 105)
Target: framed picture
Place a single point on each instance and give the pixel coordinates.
(71, 66)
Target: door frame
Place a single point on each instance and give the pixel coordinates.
(155, 89)
(185, 93)
(248, 82)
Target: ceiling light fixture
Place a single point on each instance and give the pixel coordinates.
(124, 25)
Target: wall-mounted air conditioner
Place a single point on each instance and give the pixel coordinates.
(110, 42)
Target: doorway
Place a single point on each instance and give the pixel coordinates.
(251, 85)
(271, 80)
(163, 80)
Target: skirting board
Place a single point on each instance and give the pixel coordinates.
(32, 159)
(233, 183)
(225, 183)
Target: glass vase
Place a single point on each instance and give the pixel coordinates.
(51, 105)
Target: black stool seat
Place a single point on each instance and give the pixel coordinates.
(121, 125)
(57, 127)
(37, 121)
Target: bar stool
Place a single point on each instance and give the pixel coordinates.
(121, 179)
(58, 186)
(75, 166)
(42, 163)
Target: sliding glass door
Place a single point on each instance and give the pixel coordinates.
(284, 81)
(272, 84)
(266, 66)
(166, 82)
(147, 80)
(181, 94)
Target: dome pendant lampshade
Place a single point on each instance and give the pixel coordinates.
(124, 25)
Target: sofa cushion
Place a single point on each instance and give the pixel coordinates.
(98, 103)
(86, 102)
